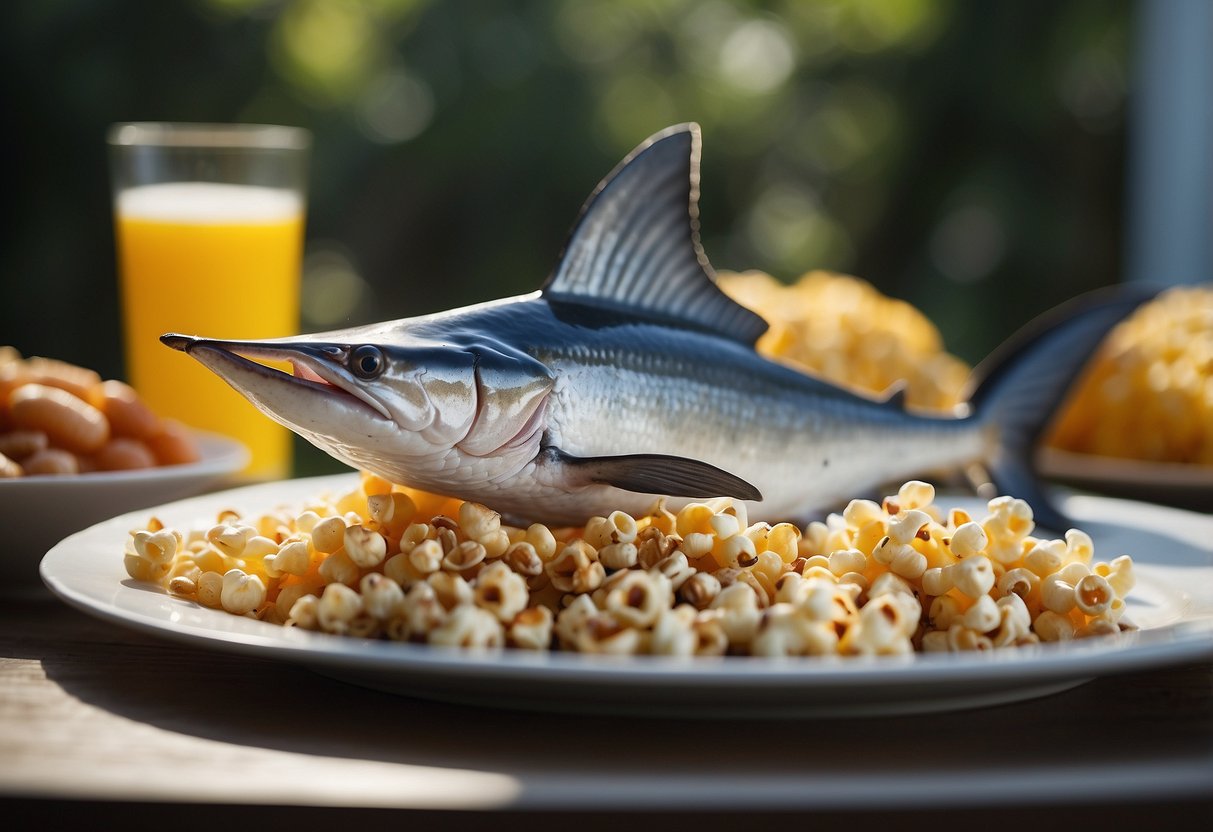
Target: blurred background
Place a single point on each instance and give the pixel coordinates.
(971, 158)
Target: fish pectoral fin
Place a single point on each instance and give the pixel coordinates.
(673, 476)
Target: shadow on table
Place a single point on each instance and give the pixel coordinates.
(131, 817)
(254, 702)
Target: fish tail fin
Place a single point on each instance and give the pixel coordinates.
(1017, 390)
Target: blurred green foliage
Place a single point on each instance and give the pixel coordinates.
(968, 157)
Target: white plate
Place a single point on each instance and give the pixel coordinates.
(1172, 603)
(38, 512)
(1172, 483)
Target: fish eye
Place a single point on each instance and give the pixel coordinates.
(367, 362)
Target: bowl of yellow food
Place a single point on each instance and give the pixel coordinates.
(1140, 421)
(75, 450)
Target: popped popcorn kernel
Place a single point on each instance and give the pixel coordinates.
(469, 626)
(338, 607)
(699, 590)
(241, 593)
(210, 589)
(365, 547)
(639, 598)
(305, 613)
(674, 632)
(531, 629)
(785, 631)
(501, 591)
(381, 597)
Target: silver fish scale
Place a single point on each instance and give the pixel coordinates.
(799, 441)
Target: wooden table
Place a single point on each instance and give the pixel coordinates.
(140, 728)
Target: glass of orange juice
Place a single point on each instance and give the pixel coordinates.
(209, 221)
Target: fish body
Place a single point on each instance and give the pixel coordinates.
(631, 376)
(624, 387)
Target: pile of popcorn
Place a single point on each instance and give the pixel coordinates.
(1149, 392)
(844, 330)
(383, 561)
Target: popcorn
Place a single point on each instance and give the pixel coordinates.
(305, 613)
(618, 555)
(576, 568)
(339, 605)
(451, 589)
(183, 586)
(1052, 626)
(340, 568)
(960, 637)
(1119, 574)
(983, 616)
(739, 613)
(785, 631)
(542, 540)
(392, 511)
(531, 629)
(674, 632)
(328, 535)
(841, 328)
(292, 558)
(241, 593)
(365, 547)
(1093, 595)
(423, 612)
(1146, 393)
(603, 634)
(478, 522)
(1045, 558)
(883, 628)
(523, 559)
(468, 626)
(639, 598)
(465, 556)
(426, 557)
(915, 494)
(1019, 581)
(973, 576)
(944, 612)
(210, 589)
(875, 579)
(969, 539)
(382, 597)
(501, 591)
(676, 569)
(700, 589)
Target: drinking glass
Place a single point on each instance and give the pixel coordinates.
(209, 222)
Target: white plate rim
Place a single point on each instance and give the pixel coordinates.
(1190, 639)
(1097, 469)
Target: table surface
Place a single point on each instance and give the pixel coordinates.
(91, 711)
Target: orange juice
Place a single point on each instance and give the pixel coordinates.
(221, 261)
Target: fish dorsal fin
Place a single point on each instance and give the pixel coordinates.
(895, 394)
(635, 248)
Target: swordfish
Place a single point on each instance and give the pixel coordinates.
(631, 376)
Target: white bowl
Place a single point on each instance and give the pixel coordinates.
(38, 512)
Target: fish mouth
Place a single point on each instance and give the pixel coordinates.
(315, 366)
